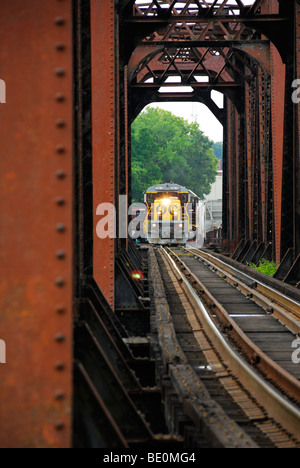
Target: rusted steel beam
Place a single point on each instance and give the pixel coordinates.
(202, 19)
(249, 176)
(219, 85)
(230, 163)
(234, 215)
(104, 134)
(127, 141)
(207, 43)
(289, 173)
(36, 223)
(297, 139)
(277, 124)
(263, 159)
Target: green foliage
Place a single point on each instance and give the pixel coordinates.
(218, 150)
(166, 147)
(265, 266)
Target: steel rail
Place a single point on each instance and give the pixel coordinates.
(277, 405)
(256, 355)
(274, 301)
(205, 413)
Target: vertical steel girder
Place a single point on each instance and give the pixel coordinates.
(277, 93)
(289, 188)
(36, 190)
(296, 233)
(247, 153)
(268, 121)
(103, 53)
(110, 138)
(229, 188)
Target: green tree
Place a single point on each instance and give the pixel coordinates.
(218, 150)
(166, 147)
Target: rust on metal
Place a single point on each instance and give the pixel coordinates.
(277, 96)
(36, 285)
(103, 124)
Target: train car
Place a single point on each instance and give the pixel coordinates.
(171, 214)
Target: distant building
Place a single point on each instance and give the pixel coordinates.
(213, 201)
(210, 213)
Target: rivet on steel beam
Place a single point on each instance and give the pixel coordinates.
(60, 338)
(59, 426)
(60, 72)
(59, 366)
(60, 254)
(59, 21)
(60, 46)
(60, 227)
(59, 282)
(60, 149)
(60, 174)
(60, 123)
(60, 97)
(60, 309)
(59, 395)
(60, 201)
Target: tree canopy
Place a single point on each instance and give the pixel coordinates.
(169, 148)
(218, 150)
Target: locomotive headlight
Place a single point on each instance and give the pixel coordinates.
(180, 225)
(154, 225)
(166, 201)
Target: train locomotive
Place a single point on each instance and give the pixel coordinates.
(171, 214)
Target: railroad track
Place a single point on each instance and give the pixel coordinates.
(226, 385)
(276, 302)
